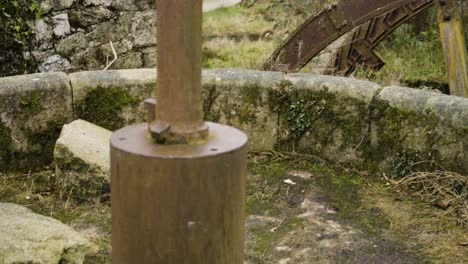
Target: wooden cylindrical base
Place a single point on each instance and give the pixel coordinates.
(174, 204)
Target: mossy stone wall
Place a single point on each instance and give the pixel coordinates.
(324, 116)
(33, 109)
(239, 98)
(112, 99)
(358, 123)
(412, 128)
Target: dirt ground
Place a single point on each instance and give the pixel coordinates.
(299, 209)
(305, 212)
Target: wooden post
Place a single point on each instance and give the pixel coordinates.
(178, 183)
(453, 44)
(174, 204)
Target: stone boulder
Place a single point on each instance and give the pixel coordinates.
(27, 237)
(82, 160)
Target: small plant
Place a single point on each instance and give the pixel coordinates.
(16, 33)
(16, 17)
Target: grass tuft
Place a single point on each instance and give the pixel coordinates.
(442, 189)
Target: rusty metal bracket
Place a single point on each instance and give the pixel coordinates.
(337, 15)
(319, 31)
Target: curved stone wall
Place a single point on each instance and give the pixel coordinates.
(353, 122)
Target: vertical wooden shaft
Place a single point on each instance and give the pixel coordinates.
(179, 109)
(179, 200)
(453, 44)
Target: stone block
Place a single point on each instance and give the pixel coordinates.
(97, 2)
(114, 29)
(55, 5)
(82, 18)
(31, 238)
(143, 29)
(61, 25)
(55, 63)
(72, 44)
(350, 121)
(130, 60)
(82, 160)
(33, 109)
(43, 31)
(149, 57)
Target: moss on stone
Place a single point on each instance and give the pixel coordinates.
(31, 102)
(251, 94)
(41, 143)
(279, 97)
(394, 126)
(5, 145)
(35, 128)
(235, 110)
(246, 113)
(103, 106)
(39, 153)
(230, 105)
(83, 182)
(320, 115)
(375, 137)
(210, 95)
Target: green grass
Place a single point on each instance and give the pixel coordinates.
(369, 205)
(233, 38)
(234, 21)
(410, 58)
(229, 53)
